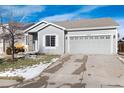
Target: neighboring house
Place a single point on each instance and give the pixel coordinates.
(3, 45)
(121, 46)
(84, 36)
(19, 36)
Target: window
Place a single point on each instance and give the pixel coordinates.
(86, 37)
(50, 40)
(91, 37)
(71, 38)
(101, 37)
(96, 37)
(107, 37)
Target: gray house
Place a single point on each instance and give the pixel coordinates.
(84, 36)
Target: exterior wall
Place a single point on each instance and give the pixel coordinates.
(51, 30)
(112, 32)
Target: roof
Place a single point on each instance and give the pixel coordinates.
(82, 24)
(87, 23)
(25, 26)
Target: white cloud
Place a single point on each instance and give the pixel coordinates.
(21, 10)
(89, 8)
(59, 17)
(72, 15)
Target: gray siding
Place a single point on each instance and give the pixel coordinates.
(50, 30)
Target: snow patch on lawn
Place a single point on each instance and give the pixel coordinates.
(28, 72)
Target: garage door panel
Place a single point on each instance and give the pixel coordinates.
(90, 44)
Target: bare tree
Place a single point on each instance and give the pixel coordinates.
(11, 28)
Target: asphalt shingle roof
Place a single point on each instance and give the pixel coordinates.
(87, 23)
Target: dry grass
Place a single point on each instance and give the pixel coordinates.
(17, 78)
(6, 64)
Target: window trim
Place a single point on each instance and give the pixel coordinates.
(50, 47)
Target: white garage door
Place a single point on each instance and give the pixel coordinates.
(89, 44)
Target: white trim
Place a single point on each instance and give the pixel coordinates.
(68, 44)
(57, 26)
(116, 34)
(111, 44)
(38, 47)
(57, 38)
(35, 25)
(56, 41)
(38, 29)
(43, 40)
(90, 28)
(89, 34)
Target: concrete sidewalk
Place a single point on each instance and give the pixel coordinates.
(7, 83)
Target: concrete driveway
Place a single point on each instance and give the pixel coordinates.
(79, 71)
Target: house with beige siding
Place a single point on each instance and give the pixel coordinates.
(84, 36)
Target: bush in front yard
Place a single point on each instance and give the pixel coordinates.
(19, 79)
(8, 51)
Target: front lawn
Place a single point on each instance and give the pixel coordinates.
(7, 64)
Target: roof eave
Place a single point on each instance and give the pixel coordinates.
(43, 21)
(92, 28)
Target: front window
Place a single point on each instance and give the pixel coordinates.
(50, 40)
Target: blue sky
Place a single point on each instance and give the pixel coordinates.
(36, 13)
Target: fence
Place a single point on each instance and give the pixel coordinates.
(121, 47)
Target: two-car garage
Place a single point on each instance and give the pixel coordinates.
(95, 44)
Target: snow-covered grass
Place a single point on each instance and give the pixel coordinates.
(28, 72)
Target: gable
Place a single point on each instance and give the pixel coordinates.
(41, 26)
(36, 26)
(50, 28)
